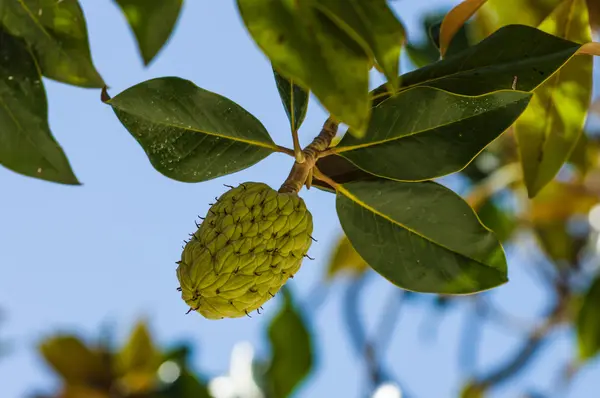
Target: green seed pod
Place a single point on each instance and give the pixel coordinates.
(251, 241)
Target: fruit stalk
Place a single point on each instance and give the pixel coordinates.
(300, 171)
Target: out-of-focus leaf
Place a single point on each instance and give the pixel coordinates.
(594, 11)
(586, 154)
(291, 348)
(345, 259)
(550, 213)
(26, 143)
(294, 99)
(306, 45)
(74, 361)
(187, 385)
(138, 360)
(549, 129)
(57, 34)
(502, 222)
(152, 22)
(340, 170)
(420, 236)
(588, 322)
(455, 20)
(528, 53)
(188, 133)
(374, 26)
(424, 133)
(81, 391)
(472, 391)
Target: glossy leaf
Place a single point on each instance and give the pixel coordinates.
(420, 236)
(291, 348)
(152, 22)
(305, 45)
(340, 170)
(57, 33)
(424, 133)
(294, 99)
(26, 143)
(455, 20)
(549, 129)
(588, 322)
(191, 134)
(374, 26)
(73, 360)
(345, 259)
(527, 53)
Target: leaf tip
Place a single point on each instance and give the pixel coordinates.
(104, 96)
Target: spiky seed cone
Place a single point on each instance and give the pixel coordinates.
(251, 241)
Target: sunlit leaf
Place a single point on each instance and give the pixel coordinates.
(294, 99)
(586, 154)
(306, 45)
(191, 134)
(138, 360)
(455, 20)
(499, 220)
(291, 349)
(588, 322)
(424, 133)
(345, 260)
(549, 129)
(420, 236)
(528, 53)
(374, 26)
(74, 361)
(152, 22)
(26, 143)
(57, 33)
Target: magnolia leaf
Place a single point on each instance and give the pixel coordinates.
(455, 20)
(307, 46)
(152, 22)
(340, 170)
(374, 26)
(420, 236)
(294, 99)
(291, 349)
(588, 322)
(74, 361)
(28, 146)
(549, 129)
(345, 259)
(191, 134)
(527, 53)
(57, 34)
(424, 133)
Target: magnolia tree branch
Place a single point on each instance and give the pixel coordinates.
(300, 172)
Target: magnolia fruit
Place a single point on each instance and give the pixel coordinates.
(252, 240)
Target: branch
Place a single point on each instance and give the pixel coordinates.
(300, 171)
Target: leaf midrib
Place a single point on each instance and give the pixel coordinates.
(273, 147)
(339, 149)
(353, 198)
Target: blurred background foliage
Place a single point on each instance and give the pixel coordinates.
(558, 232)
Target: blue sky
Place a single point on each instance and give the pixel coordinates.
(103, 254)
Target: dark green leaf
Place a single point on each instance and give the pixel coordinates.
(502, 222)
(26, 143)
(152, 22)
(374, 26)
(73, 361)
(294, 99)
(588, 322)
(291, 349)
(339, 170)
(420, 236)
(186, 386)
(305, 45)
(191, 134)
(491, 65)
(57, 33)
(424, 133)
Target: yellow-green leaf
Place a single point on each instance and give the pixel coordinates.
(549, 129)
(588, 322)
(345, 259)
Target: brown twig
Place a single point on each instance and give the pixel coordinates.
(300, 171)
(285, 150)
